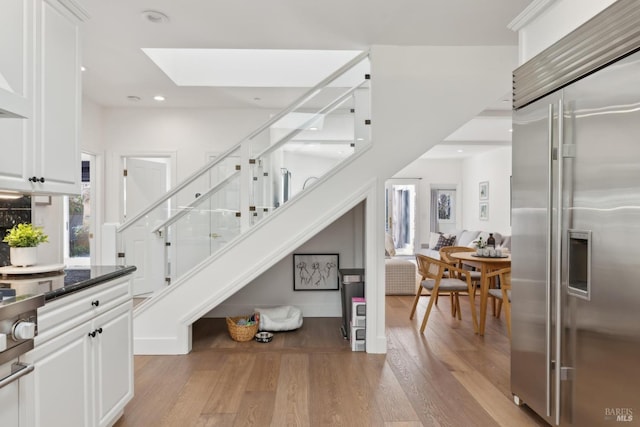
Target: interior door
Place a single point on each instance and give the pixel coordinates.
(145, 182)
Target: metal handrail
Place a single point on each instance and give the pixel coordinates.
(195, 175)
(326, 110)
(195, 202)
(311, 93)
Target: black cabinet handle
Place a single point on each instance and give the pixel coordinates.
(95, 303)
(96, 331)
(36, 179)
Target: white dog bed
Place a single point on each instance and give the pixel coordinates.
(284, 318)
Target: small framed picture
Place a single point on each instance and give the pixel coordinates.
(484, 190)
(315, 272)
(484, 211)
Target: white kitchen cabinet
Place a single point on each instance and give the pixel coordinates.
(113, 363)
(57, 136)
(83, 360)
(16, 91)
(16, 58)
(44, 147)
(58, 391)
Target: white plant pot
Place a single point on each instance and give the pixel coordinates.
(23, 257)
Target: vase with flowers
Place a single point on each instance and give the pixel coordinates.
(23, 240)
(481, 245)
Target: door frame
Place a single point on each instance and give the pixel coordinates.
(172, 180)
(96, 178)
(389, 183)
(121, 156)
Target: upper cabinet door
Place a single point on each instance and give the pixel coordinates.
(57, 150)
(16, 59)
(16, 92)
(40, 96)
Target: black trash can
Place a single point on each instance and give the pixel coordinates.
(351, 285)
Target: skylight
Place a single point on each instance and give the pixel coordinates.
(250, 67)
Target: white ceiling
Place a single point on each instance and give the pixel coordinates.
(116, 33)
(237, 67)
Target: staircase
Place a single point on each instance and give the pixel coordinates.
(419, 95)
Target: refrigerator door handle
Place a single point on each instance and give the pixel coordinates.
(558, 255)
(548, 259)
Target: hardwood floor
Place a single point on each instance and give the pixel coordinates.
(447, 377)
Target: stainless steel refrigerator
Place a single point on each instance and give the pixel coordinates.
(575, 355)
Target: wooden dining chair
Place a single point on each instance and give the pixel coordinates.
(445, 255)
(435, 281)
(502, 295)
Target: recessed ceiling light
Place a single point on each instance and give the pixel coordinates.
(510, 130)
(133, 98)
(155, 17)
(313, 128)
(460, 151)
(159, 98)
(83, 68)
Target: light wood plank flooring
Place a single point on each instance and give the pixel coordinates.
(447, 377)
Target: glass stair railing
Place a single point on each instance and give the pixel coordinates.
(242, 186)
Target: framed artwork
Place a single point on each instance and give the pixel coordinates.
(484, 211)
(315, 272)
(446, 206)
(484, 190)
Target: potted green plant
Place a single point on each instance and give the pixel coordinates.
(23, 240)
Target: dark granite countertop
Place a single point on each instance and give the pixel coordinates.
(77, 279)
(58, 284)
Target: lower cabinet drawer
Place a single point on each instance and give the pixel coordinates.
(77, 308)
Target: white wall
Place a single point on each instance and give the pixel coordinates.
(91, 136)
(493, 167)
(303, 166)
(544, 22)
(275, 286)
(432, 172)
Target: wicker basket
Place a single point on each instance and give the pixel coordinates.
(241, 333)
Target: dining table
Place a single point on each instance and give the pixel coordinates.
(486, 265)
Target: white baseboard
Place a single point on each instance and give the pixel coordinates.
(159, 346)
(377, 346)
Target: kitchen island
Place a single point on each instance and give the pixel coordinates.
(83, 350)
